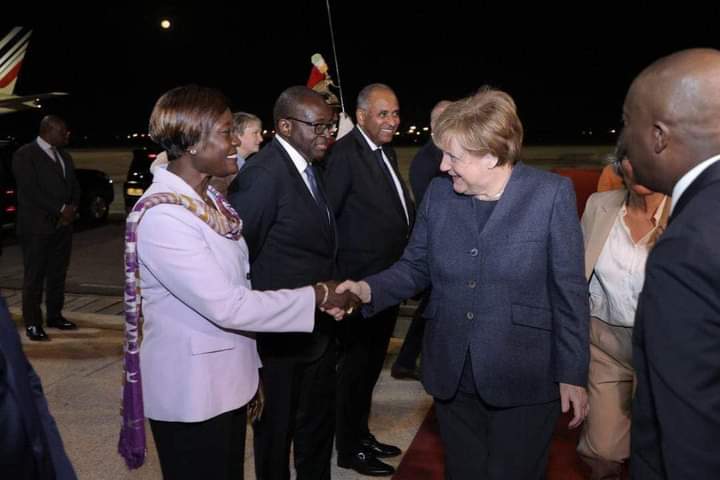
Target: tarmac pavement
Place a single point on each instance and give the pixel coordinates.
(81, 371)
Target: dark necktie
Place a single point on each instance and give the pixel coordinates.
(386, 170)
(383, 166)
(58, 160)
(317, 194)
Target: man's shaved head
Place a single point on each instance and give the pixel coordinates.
(53, 130)
(672, 116)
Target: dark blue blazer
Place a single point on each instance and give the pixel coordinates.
(514, 294)
(29, 438)
(676, 343)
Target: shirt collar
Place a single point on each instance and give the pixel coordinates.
(173, 182)
(372, 145)
(44, 145)
(656, 216)
(296, 157)
(686, 180)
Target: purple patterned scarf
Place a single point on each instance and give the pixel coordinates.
(226, 222)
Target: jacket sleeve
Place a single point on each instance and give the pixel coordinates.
(409, 275)
(255, 198)
(172, 247)
(568, 290)
(28, 182)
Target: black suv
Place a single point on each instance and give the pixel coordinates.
(139, 177)
(96, 190)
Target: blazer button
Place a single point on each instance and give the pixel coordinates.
(474, 252)
(470, 316)
(471, 284)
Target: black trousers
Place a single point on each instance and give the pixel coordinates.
(45, 260)
(363, 347)
(486, 442)
(213, 449)
(412, 345)
(299, 409)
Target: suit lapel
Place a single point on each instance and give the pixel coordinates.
(50, 162)
(601, 225)
(302, 192)
(707, 177)
(378, 176)
(504, 206)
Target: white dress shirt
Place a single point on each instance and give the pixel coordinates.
(298, 160)
(396, 181)
(619, 273)
(690, 177)
(196, 297)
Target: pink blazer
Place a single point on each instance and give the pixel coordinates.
(196, 360)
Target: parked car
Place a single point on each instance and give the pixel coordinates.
(96, 190)
(139, 177)
(8, 201)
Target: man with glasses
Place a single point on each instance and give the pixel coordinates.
(290, 233)
(374, 215)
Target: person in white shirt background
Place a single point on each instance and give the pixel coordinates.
(619, 228)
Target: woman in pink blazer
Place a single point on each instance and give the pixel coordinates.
(184, 243)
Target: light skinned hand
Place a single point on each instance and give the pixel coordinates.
(335, 312)
(361, 289)
(577, 397)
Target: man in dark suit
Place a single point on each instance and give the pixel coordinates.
(374, 215)
(30, 444)
(424, 166)
(48, 195)
(291, 236)
(672, 132)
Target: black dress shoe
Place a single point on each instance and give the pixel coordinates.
(365, 464)
(404, 373)
(62, 324)
(36, 333)
(380, 450)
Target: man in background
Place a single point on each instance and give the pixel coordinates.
(48, 196)
(374, 215)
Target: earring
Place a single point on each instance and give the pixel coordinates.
(193, 151)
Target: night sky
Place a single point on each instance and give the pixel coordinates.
(568, 68)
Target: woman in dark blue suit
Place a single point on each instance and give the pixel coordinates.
(506, 343)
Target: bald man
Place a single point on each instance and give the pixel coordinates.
(672, 129)
(374, 214)
(48, 195)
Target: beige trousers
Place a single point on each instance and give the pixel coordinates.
(605, 440)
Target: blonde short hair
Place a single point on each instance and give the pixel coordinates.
(241, 120)
(486, 122)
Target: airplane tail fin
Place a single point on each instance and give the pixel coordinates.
(12, 52)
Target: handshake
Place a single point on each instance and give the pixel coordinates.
(339, 300)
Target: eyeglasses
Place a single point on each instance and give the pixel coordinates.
(319, 128)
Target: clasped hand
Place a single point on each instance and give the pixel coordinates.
(337, 304)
